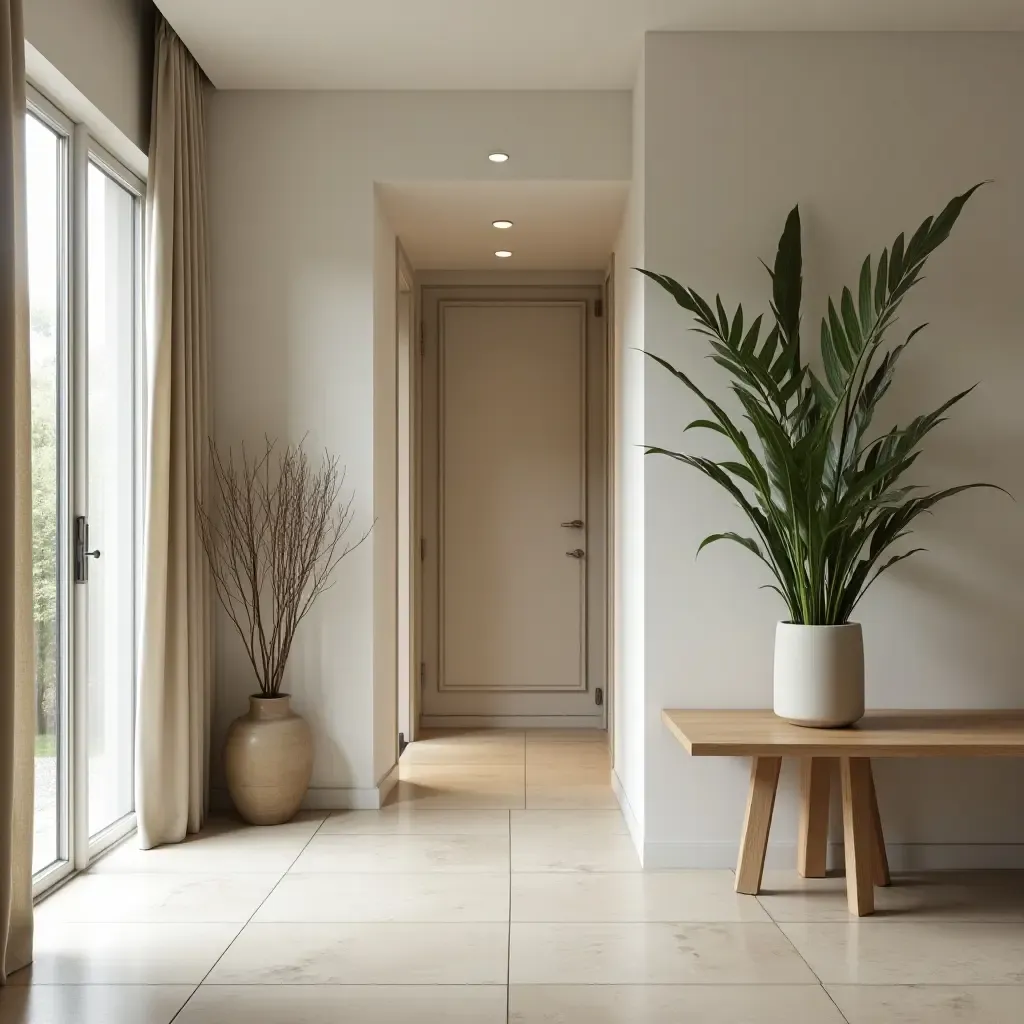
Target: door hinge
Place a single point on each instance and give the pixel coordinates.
(599, 307)
(423, 549)
(599, 696)
(423, 675)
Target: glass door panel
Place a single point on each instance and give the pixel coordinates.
(46, 157)
(112, 318)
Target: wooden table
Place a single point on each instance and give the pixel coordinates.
(766, 740)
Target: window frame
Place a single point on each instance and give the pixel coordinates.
(76, 850)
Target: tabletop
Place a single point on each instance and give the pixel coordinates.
(759, 733)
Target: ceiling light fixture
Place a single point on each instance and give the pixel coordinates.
(503, 254)
(502, 224)
(497, 158)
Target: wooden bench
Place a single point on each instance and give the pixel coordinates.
(766, 739)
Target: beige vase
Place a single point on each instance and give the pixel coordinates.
(268, 760)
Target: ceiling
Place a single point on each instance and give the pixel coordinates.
(505, 44)
(557, 225)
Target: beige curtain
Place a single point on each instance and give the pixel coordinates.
(175, 670)
(17, 681)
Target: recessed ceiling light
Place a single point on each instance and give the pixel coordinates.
(497, 158)
(503, 254)
(503, 224)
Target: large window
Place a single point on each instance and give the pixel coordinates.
(84, 282)
(46, 158)
(113, 318)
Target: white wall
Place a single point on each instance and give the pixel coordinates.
(296, 241)
(105, 48)
(870, 134)
(628, 435)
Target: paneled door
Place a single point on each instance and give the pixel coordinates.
(510, 459)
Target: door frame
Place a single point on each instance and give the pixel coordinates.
(599, 495)
(408, 348)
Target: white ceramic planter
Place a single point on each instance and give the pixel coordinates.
(819, 674)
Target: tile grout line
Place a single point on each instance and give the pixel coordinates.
(792, 944)
(246, 924)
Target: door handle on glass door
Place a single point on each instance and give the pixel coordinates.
(578, 553)
(576, 524)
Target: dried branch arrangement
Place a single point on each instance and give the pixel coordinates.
(274, 530)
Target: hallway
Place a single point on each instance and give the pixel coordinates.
(500, 884)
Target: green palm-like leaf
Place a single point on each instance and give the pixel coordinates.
(826, 503)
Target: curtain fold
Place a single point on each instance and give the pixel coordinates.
(17, 678)
(172, 743)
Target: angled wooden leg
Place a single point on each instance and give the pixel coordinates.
(764, 781)
(812, 844)
(857, 834)
(879, 860)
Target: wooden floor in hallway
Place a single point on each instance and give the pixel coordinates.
(500, 886)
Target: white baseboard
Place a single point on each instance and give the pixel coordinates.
(328, 798)
(511, 722)
(636, 831)
(386, 784)
(902, 856)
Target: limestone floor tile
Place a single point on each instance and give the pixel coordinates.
(653, 954)
(671, 1004)
(631, 896)
(569, 796)
(568, 755)
(573, 851)
(406, 819)
(92, 1004)
(341, 1004)
(921, 896)
(125, 954)
(366, 954)
(929, 1004)
(405, 854)
(879, 953)
(151, 897)
(567, 774)
(552, 822)
(225, 846)
(433, 897)
(475, 747)
(445, 787)
(545, 737)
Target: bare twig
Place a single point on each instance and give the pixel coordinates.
(276, 538)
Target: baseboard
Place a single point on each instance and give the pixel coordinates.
(328, 798)
(902, 856)
(386, 784)
(511, 722)
(636, 831)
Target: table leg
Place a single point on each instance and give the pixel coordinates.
(857, 834)
(764, 781)
(812, 846)
(880, 861)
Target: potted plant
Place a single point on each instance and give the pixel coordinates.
(825, 494)
(274, 531)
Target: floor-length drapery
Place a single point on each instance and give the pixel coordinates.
(17, 682)
(175, 661)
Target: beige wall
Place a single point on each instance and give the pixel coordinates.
(628, 709)
(870, 134)
(105, 48)
(303, 283)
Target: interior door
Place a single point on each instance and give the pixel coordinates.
(511, 462)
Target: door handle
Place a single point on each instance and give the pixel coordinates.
(576, 524)
(578, 553)
(82, 551)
